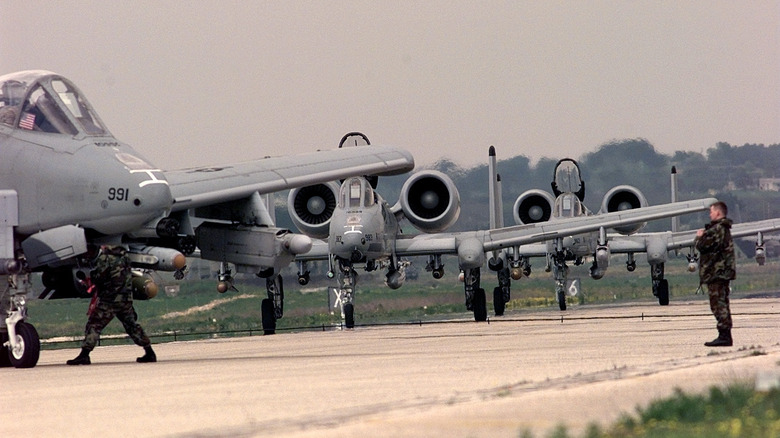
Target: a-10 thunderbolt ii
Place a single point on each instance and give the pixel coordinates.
(538, 206)
(66, 182)
(359, 229)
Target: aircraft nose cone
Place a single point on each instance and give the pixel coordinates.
(153, 196)
(354, 240)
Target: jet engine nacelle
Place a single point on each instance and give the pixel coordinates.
(624, 198)
(533, 206)
(430, 200)
(311, 208)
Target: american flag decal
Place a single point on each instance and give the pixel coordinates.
(27, 121)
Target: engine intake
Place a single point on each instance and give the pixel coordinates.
(533, 206)
(430, 200)
(622, 198)
(311, 208)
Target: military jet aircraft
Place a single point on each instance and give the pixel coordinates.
(65, 181)
(537, 206)
(362, 230)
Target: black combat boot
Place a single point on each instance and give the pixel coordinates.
(81, 359)
(148, 357)
(723, 339)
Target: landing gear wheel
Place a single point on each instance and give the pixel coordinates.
(5, 359)
(480, 305)
(29, 350)
(498, 301)
(349, 315)
(269, 318)
(663, 292)
(562, 300)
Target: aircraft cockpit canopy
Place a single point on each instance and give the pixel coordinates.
(568, 205)
(356, 193)
(567, 176)
(43, 101)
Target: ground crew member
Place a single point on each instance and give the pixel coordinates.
(112, 279)
(717, 268)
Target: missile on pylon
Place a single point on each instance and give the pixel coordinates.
(157, 258)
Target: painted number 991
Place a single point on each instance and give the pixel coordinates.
(118, 194)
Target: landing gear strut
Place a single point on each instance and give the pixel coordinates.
(559, 272)
(475, 295)
(660, 284)
(347, 278)
(501, 292)
(20, 346)
(272, 308)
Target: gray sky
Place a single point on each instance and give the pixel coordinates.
(183, 80)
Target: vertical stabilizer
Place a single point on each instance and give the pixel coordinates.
(675, 219)
(494, 191)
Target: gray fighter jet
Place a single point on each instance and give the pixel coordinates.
(362, 230)
(537, 206)
(66, 182)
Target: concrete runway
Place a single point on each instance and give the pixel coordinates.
(528, 370)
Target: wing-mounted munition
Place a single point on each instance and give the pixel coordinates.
(66, 182)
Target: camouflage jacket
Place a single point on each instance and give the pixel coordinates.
(717, 252)
(112, 275)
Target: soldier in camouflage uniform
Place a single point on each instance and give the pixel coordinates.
(112, 279)
(717, 269)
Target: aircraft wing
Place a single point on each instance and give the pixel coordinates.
(197, 187)
(685, 239)
(525, 235)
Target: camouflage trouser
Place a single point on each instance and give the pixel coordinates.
(104, 313)
(719, 303)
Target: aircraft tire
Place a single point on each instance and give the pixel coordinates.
(562, 300)
(498, 301)
(269, 319)
(28, 356)
(349, 315)
(663, 292)
(5, 359)
(480, 305)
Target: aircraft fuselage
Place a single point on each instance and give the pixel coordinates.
(97, 182)
(362, 228)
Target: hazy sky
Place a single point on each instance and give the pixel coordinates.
(203, 82)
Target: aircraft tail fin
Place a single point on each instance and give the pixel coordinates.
(675, 219)
(494, 192)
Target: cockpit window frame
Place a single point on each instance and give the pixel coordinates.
(67, 107)
(568, 205)
(356, 193)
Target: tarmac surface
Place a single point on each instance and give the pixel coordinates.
(527, 371)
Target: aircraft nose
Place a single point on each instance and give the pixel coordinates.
(354, 240)
(154, 196)
(354, 244)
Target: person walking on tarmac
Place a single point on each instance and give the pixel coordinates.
(717, 268)
(112, 280)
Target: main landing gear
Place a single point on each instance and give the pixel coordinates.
(272, 308)
(475, 295)
(20, 345)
